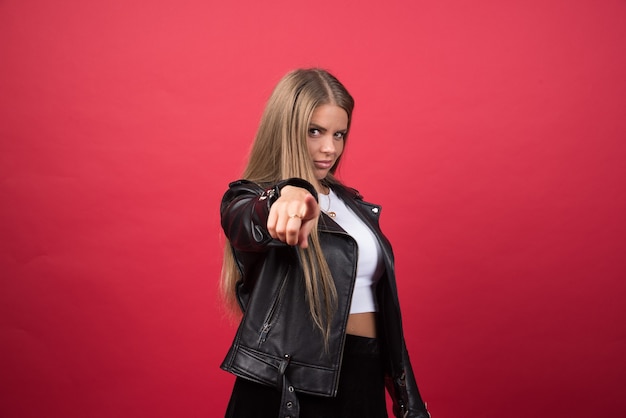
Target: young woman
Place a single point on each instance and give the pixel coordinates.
(307, 264)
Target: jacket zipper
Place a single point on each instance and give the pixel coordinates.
(267, 323)
(343, 337)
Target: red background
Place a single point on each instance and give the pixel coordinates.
(492, 132)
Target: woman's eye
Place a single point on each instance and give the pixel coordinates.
(314, 132)
(340, 135)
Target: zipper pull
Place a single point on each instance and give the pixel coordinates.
(264, 331)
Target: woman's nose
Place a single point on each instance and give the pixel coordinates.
(328, 144)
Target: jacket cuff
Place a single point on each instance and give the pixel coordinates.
(273, 193)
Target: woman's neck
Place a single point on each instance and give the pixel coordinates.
(322, 186)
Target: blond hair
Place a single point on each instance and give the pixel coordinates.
(279, 152)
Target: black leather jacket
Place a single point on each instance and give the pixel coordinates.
(277, 342)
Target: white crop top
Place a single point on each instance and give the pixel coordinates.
(370, 264)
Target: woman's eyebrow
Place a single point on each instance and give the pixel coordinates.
(316, 126)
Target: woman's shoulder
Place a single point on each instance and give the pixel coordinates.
(242, 186)
(265, 190)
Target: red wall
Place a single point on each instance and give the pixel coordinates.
(492, 132)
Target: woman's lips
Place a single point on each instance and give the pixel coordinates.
(324, 165)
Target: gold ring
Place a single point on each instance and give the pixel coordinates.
(295, 215)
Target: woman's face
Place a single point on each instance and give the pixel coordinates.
(325, 137)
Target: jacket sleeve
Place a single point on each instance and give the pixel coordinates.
(407, 401)
(245, 208)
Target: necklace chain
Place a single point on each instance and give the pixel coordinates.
(328, 211)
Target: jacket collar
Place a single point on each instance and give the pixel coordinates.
(367, 212)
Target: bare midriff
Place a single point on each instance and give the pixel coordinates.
(362, 324)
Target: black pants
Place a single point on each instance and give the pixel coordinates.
(361, 392)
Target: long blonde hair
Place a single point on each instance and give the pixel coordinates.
(279, 152)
